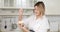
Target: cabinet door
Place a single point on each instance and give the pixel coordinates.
(1, 3)
(25, 3)
(8, 3)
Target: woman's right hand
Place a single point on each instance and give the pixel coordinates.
(20, 22)
(20, 14)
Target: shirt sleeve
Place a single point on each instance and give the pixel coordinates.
(25, 21)
(45, 24)
(43, 27)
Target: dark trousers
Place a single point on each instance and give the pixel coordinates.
(32, 31)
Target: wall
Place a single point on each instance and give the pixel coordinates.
(52, 6)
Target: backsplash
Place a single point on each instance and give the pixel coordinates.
(9, 19)
(54, 21)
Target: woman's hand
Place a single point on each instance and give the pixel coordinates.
(20, 14)
(21, 26)
(20, 22)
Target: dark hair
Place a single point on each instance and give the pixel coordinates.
(40, 3)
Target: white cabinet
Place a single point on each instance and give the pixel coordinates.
(14, 5)
(7, 3)
(17, 3)
(11, 8)
(25, 3)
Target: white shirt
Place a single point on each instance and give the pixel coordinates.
(39, 25)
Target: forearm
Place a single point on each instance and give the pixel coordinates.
(20, 14)
(25, 29)
(21, 24)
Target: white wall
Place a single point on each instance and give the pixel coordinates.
(52, 6)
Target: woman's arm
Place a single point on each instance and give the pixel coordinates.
(20, 14)
(25, 29)
(22, 26)
(20, 23)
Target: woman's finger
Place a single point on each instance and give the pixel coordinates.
(20, 23)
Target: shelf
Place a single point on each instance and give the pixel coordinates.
(12, 14)
(52, 14)
(25, 14)
(16, 7)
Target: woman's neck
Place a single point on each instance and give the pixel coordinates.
(39, 16)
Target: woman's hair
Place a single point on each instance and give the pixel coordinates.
(39, 4)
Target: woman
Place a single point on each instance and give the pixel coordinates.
(36, 23)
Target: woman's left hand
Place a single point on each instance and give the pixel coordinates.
(22, 26)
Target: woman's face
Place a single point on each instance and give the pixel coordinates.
(36, 11)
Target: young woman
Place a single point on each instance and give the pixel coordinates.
(36, 23)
